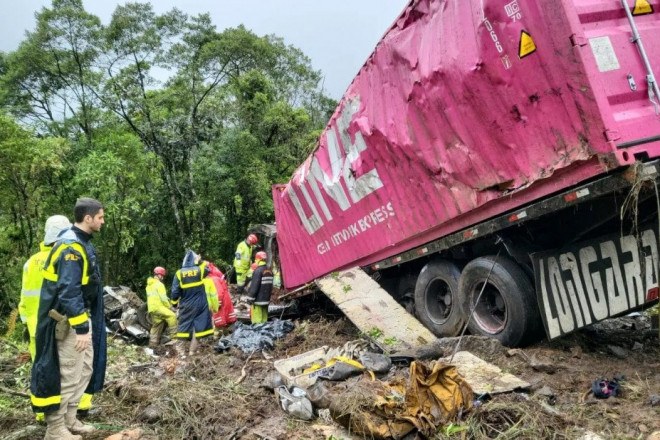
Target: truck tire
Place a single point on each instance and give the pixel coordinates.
(437, 302)
(406, 292)
(507, 309)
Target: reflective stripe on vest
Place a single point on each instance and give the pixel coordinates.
(29, 293)
(194, 276)
(49, 271)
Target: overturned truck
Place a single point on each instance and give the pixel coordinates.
(495, 159)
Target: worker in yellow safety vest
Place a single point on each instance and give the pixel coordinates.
(159, 308)
(28, 307)
(242, 260)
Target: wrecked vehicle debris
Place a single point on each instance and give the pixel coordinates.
(126, 314)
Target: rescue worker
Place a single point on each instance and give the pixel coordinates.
(225, 315)
(261, 287)
(71, 343)
(158, 305)
(33, 279)
(242, 260)
(189, 293)
(212, 298)
(31, 288)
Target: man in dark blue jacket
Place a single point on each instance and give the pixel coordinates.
(189, 294)
(71, 341)
(260, 290)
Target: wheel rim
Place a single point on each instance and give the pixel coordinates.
(490, 313)
(439, 301)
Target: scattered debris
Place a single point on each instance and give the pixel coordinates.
(604, 389)
(251, 338)
(542, 364)
(169, 398)
(485, 377)
(431, 396)
(126, 314)
(295, 402)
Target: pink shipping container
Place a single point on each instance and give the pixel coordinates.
(493, 164)
(467, 110)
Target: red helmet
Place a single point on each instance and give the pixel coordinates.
(160, 271)
(261, 255)
(252, 239)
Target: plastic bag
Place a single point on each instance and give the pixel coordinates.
(295, 402)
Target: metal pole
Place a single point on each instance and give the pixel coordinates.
(650, 78)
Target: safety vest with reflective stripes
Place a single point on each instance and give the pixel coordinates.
(28, 307)
(211, 294)
(31, 286)
(242, 257)
(49, 272)
(191, 276)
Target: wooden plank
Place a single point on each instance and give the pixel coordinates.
(374, 311)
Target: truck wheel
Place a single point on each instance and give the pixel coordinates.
(436, 298)
(507, 309)
(406, 292)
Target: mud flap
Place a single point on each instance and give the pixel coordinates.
(374, 311)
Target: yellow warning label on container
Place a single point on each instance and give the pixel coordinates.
(642, 7)
(526, 46)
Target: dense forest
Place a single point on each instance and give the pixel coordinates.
(178, 128)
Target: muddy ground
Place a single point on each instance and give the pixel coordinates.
(220, 396)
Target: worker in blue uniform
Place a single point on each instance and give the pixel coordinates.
(70, 356)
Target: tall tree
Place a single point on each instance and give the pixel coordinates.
(195, 106)
(50, 79)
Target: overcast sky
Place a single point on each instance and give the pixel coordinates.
(337, 35)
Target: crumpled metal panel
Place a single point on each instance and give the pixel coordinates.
(465, 109)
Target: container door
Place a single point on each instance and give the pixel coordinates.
(621, 74)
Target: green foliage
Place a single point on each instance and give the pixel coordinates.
(389, 341)
(181, 159)
(375, 333)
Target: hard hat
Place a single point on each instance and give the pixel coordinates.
(54, 225)
(158, 270)
(252, 239)
(261, 255)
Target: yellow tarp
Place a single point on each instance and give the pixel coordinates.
(431, 398)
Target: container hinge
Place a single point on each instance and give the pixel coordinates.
(654, 90)
(578, 40)
(612, 135)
